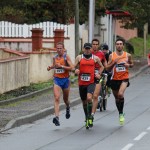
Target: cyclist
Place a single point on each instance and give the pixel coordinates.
(119, 62)
(86, 73)
(62, 65)
(100, 54)
(107, 52)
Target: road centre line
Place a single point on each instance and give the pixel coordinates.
(141, 135)
(148, 128)
(128, 146)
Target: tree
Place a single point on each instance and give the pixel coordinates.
(34, 11)
(139, 10)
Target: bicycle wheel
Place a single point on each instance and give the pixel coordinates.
(104, 98)
(100, 103)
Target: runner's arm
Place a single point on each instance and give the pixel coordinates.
(70, 64)
(52, 66)
(130, 61)
(100, 64)
(110, 63)
(76, 67)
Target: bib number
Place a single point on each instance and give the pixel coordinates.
(120, 67)
(85, 77)
(59, 71)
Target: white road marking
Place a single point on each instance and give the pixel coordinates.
(148, 128)
(140, 136)
(127, 147)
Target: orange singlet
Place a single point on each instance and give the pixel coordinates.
(120, 72)
(87, 68)
(60, 72)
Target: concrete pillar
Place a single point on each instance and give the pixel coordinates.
(58, 36)
(37, 36)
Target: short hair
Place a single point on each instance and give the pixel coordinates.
(60, 43)
(120, 39)
(95, 40)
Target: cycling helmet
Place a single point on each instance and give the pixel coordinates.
(104, 47)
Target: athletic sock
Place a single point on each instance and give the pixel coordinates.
(89, 108)
(118, 105)
(121, 106)
(85, 110)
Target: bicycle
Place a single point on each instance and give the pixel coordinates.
(102, 99)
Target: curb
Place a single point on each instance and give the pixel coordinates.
(138, 72)
(30, 95)
(36, 116)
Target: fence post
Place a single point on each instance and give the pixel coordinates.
(37, 36)
(58, 36)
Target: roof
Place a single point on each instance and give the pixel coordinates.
(118, 13)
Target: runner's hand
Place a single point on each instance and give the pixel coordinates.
(97, 76)
(48, 68)
(77, 71)
(58, 65)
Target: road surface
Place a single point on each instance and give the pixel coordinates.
(106, 133)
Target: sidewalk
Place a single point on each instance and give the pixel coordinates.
(39, 105)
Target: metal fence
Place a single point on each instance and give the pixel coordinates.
(8, 29)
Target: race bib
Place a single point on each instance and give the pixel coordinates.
(85, 77)
(120, 67)
(60, 70)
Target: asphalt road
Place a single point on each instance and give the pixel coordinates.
(106, 133)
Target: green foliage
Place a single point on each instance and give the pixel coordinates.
(62, 11)
(138, 44)
(29, 89)
(25, 90)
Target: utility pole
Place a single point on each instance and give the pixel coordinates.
(91, 19)
(145, 38)
(76, 28)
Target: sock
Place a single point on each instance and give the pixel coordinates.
(92, 114)
(85, 110)
(121, 106)
(118, 105)
(89, 108)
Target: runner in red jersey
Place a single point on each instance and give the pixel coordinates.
(101, 56)
(86, 76)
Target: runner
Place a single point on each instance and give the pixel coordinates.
(101, 56)
(119, 62)
(62, 65)
(86, 74)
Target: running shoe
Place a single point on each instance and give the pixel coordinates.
(67, 112)
(90, 121)
(87, 124)
(56, 121)
(121, 119)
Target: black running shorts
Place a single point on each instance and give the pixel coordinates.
(84, 89)
(115, 84)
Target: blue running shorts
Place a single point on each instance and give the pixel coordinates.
(62, 82)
